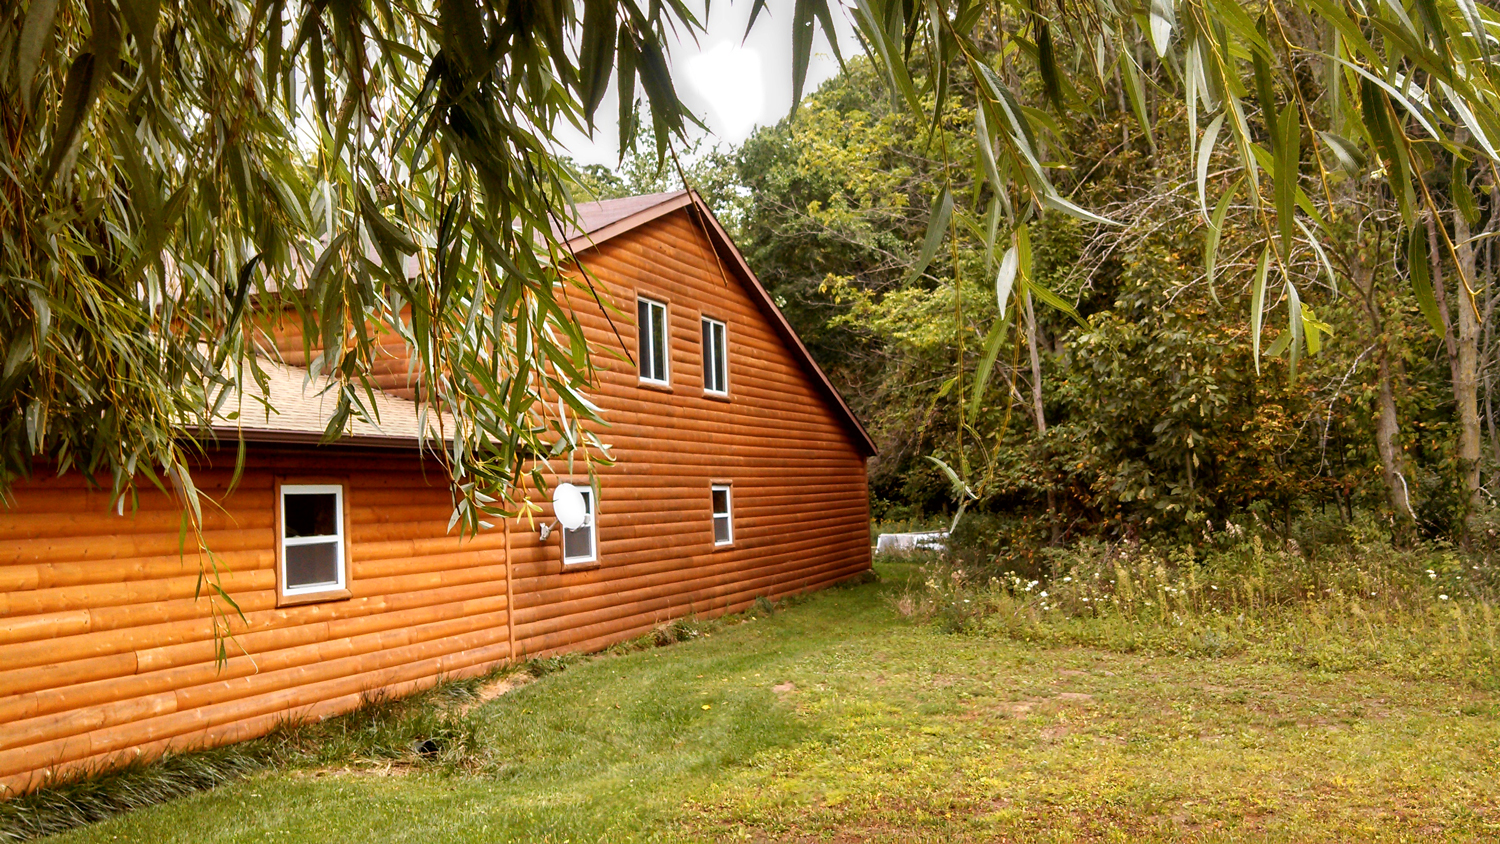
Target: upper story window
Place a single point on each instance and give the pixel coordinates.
(715, 358)
(651, 320)
(580, 544)
(723, 515)
(311, 545)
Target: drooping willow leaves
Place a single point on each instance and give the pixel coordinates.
(378, 169)
(1404, 83)
(177, 178)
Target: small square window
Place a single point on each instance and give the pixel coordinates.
(715, 358)
(723, 515)
(579, 544)
(651, 326)
(313, 559)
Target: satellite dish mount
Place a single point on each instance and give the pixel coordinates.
(569, 508)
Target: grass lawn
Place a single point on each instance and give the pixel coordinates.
(837, 719)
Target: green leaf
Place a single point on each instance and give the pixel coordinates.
(1376, 114)
(1418, 114)
(1135, 90)
(1046, 59)
(1258, 302)
(1023, 251)
(625, 57)
(1282, 343)
(937, 226)
(77, 96)
(1313, 330)
(1333, 279)
(141, 17)
(1054, 301)
(983, 140)
(961, 490)
(242, 292)
(1463, 197)
(1215, 232)
(1346, 153)
(1288, 161)
(1005, 280)
(36, 31)
(992, 343)
(1056, 202)
(802, 38)
(1421, 279)
(596, 53)
(874, 31)
(1205, 153)
(1294, 325)
(1163, 22)
(42, 309)
(1246, 147)
(1265, 87)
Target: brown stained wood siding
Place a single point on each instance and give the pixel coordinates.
(105, 653)
(800, 502)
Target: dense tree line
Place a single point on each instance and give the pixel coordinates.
(1135, 403)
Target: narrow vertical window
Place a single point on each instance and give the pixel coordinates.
(651, 321)
(311, 543)
(579, 544)
(715, 358)
(723, 515)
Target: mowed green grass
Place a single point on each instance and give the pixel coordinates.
(893, 731)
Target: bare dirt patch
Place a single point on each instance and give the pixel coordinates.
(503, 685)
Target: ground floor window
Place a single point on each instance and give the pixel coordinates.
(723, 515)
(312, 558)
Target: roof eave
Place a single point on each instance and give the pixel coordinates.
(263, 435)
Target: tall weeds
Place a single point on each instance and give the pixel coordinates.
(1419, 613)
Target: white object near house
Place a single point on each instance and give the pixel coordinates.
(905, 543)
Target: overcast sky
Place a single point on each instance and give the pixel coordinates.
(732, 86)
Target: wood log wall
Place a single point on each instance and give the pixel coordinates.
(800, 501)
(106, 655)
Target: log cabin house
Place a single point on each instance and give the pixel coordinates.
(739, 473)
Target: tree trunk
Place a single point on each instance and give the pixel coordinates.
(1387, 422)
(1032, 343)
(1466, 367)
(1387, 435)
(1435, 252)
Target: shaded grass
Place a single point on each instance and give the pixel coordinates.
(434, 731)
(841, 720)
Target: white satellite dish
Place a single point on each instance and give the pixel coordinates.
(568, 505)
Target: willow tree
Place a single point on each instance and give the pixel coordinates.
(1287, 103)
(171, 169)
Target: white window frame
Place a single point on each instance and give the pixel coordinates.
(646, 340)
(727, 515)
(715, 358)
(341, 540)
(590, 521)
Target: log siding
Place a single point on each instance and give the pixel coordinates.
(106, 655)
